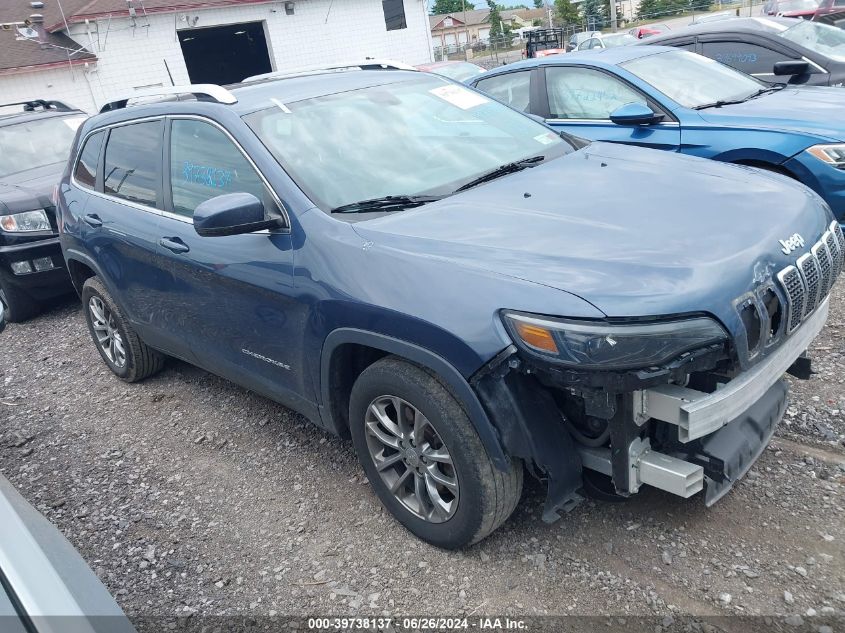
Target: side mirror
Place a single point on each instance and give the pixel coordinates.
(791, 67)
(635, 114)
(232, 214)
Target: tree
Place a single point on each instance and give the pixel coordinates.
(495, 20)
(594, 13)
(538, 4)
(566, 12)
(450, 6)
(649, 9)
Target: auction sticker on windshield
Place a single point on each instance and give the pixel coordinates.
(459, 96)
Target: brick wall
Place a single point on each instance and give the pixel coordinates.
(130, 57)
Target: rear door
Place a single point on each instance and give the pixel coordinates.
(579, 100)
(118, 223)
(231, 297)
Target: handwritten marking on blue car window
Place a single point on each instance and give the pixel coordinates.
(206, 175)
(736, 58)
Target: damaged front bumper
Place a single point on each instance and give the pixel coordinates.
(677, 438)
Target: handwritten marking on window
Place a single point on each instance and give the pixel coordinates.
(206, 175)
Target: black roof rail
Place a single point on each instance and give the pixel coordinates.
(46, 104)
(202, 92)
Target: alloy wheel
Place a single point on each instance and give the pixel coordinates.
(106, 332)
(412, 459)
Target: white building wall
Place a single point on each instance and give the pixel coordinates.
(321, 31)
(64, 84)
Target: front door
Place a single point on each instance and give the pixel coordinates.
(231, 295)
(580, 101)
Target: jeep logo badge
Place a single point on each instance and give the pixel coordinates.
(791, 243)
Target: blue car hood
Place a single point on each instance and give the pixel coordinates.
(633, 231)
(815, 110)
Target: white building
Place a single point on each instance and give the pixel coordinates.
(117, 46)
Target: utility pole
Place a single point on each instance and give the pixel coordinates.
(613, 15)
(466, 26)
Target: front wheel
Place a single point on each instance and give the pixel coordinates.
(18, 305)
(129, 358)
(424, 459)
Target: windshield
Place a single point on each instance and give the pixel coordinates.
(36, 143)
(692, 80)
(820, 38)
(459, 71)
(420, 136)
(620, 39)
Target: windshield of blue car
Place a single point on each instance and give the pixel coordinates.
(422, 136)
(691, 80)
(36, 143)
(821, 38)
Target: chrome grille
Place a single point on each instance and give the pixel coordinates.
(841, 237)
(835, 248)
(808, 282)
(811, 270)
(822, 255)
(796, 292)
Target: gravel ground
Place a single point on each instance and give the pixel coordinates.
(187, 494)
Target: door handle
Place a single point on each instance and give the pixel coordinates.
(93, 220)
(174, 244)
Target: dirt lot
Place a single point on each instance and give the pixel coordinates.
(187, 494)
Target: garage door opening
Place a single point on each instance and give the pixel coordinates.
(225, 54)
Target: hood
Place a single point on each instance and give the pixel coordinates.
(31, 189)
(815, 110)
(635, 232)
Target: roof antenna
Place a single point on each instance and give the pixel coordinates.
(168, 72)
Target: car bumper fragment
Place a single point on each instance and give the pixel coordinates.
(697, 413)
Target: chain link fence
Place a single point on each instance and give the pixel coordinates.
(509, 47)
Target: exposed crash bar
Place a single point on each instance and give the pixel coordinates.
(698, 413)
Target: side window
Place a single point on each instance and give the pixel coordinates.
(394, 14)
(581, 93)
(511, 88)
(85, 171)
(748, 58)
(685, 46)
(204, 163)
(133, 155)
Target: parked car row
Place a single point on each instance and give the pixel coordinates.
(408, 262)
(675, 100)
(35, 142)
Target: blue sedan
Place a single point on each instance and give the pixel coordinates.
(674, 100)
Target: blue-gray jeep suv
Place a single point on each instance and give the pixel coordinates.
(460, 289)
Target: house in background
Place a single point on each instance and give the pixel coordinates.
(462, 27)
(85, 52)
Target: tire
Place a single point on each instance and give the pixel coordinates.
(484, 496)
(19, 305)
(129, 358)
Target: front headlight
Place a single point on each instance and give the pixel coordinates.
(27, 221)
(833, 155)
(593, 345)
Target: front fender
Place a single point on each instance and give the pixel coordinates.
(444, 370)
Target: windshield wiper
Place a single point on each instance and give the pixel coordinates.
(386, 203)
(758, 93)
(502, 170)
